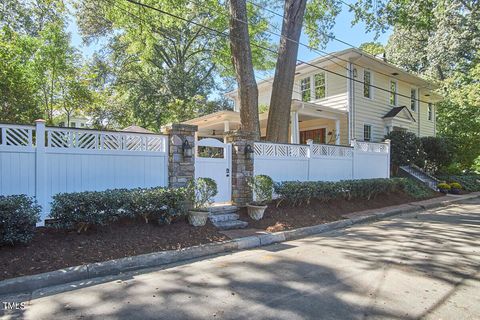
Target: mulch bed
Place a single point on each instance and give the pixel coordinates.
(287, 217)
(53, 249)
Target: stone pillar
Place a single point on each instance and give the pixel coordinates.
(242, 166)
(180, 169)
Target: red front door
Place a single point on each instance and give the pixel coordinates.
(317, 135)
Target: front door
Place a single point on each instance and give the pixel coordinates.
(317, 135)
(213, 160)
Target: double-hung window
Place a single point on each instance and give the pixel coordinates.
(393, 93)
(367, 82)
(320, 85)
(413, 99)
(305, 89)
(367, 132)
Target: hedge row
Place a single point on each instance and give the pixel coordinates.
(18, 216)
(80, 210)
(297, 193)
(469, 182)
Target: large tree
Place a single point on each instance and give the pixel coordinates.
(161, 68)
(242, 62)
(282, 88)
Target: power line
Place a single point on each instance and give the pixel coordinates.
(189, 21)
(327, 35)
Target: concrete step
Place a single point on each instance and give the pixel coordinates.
(223, 209)
(223, 217)
(228, 225)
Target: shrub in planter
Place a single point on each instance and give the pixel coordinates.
(262, 188)
(455, 188)
(18, 216)
(200, 193)
(443, 187)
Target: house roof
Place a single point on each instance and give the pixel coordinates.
(395, 111)
(137, 129)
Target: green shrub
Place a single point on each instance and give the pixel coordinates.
(18, 216)
(470, 182)
(416, 189)
(455, 185)
(80, 210)
(438, 153)
(406, 148)
(444, 186)
(296, 193)
(262, 188)
(201, 192)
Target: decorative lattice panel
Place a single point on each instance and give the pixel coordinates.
(324, 150)
(280, 150)
(19, 136)
(371, 147)
(105, 141)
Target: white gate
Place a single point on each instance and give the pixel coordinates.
(213, 159)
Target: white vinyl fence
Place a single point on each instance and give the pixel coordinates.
(321, 162)
(42, 161)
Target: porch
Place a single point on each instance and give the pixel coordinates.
(308, 121)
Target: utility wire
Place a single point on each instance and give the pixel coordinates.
(327, 35)
(222, 33)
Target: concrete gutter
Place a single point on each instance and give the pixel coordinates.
(114, 267)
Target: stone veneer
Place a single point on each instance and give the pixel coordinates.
(242, 166)
(180, 169)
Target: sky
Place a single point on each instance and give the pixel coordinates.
(343, 30)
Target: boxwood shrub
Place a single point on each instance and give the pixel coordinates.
(469, 182)
(18, 216)
(297, 193)
(80, 210)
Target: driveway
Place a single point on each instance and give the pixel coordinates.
(413, 266)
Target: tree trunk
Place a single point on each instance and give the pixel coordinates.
(242, 62)
(281, 100)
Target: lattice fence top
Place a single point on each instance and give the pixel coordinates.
(280, 150)
(325, 150)
(371, 147)
(107, 141)
(16, 135)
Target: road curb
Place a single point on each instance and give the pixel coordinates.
(114, 267)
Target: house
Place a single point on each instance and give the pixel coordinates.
(78, 121)
(342, 96)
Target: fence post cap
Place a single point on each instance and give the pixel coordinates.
(388, 140)
(40, 121)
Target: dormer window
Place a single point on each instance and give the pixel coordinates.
(306, 89)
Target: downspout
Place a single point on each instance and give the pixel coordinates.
(349, 101)
(419, 113)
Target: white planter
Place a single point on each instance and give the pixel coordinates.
(197, 218)
(256, 212)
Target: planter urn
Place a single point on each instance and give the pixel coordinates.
(256, 211)
(197, 218)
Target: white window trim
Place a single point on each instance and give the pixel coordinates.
(371, 131)
(372, 94)
(313, 86)
(416, 98)
(430, 108)
(301, 90)
(390, 91)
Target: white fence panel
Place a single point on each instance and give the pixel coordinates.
(371, 160)
(330, 163)
(282, 162)
(72, 160)
(318, 162)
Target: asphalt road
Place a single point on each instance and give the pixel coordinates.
(413, 266)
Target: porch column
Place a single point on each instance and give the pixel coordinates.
(337, 131)
(294, 128)
(226, 128)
